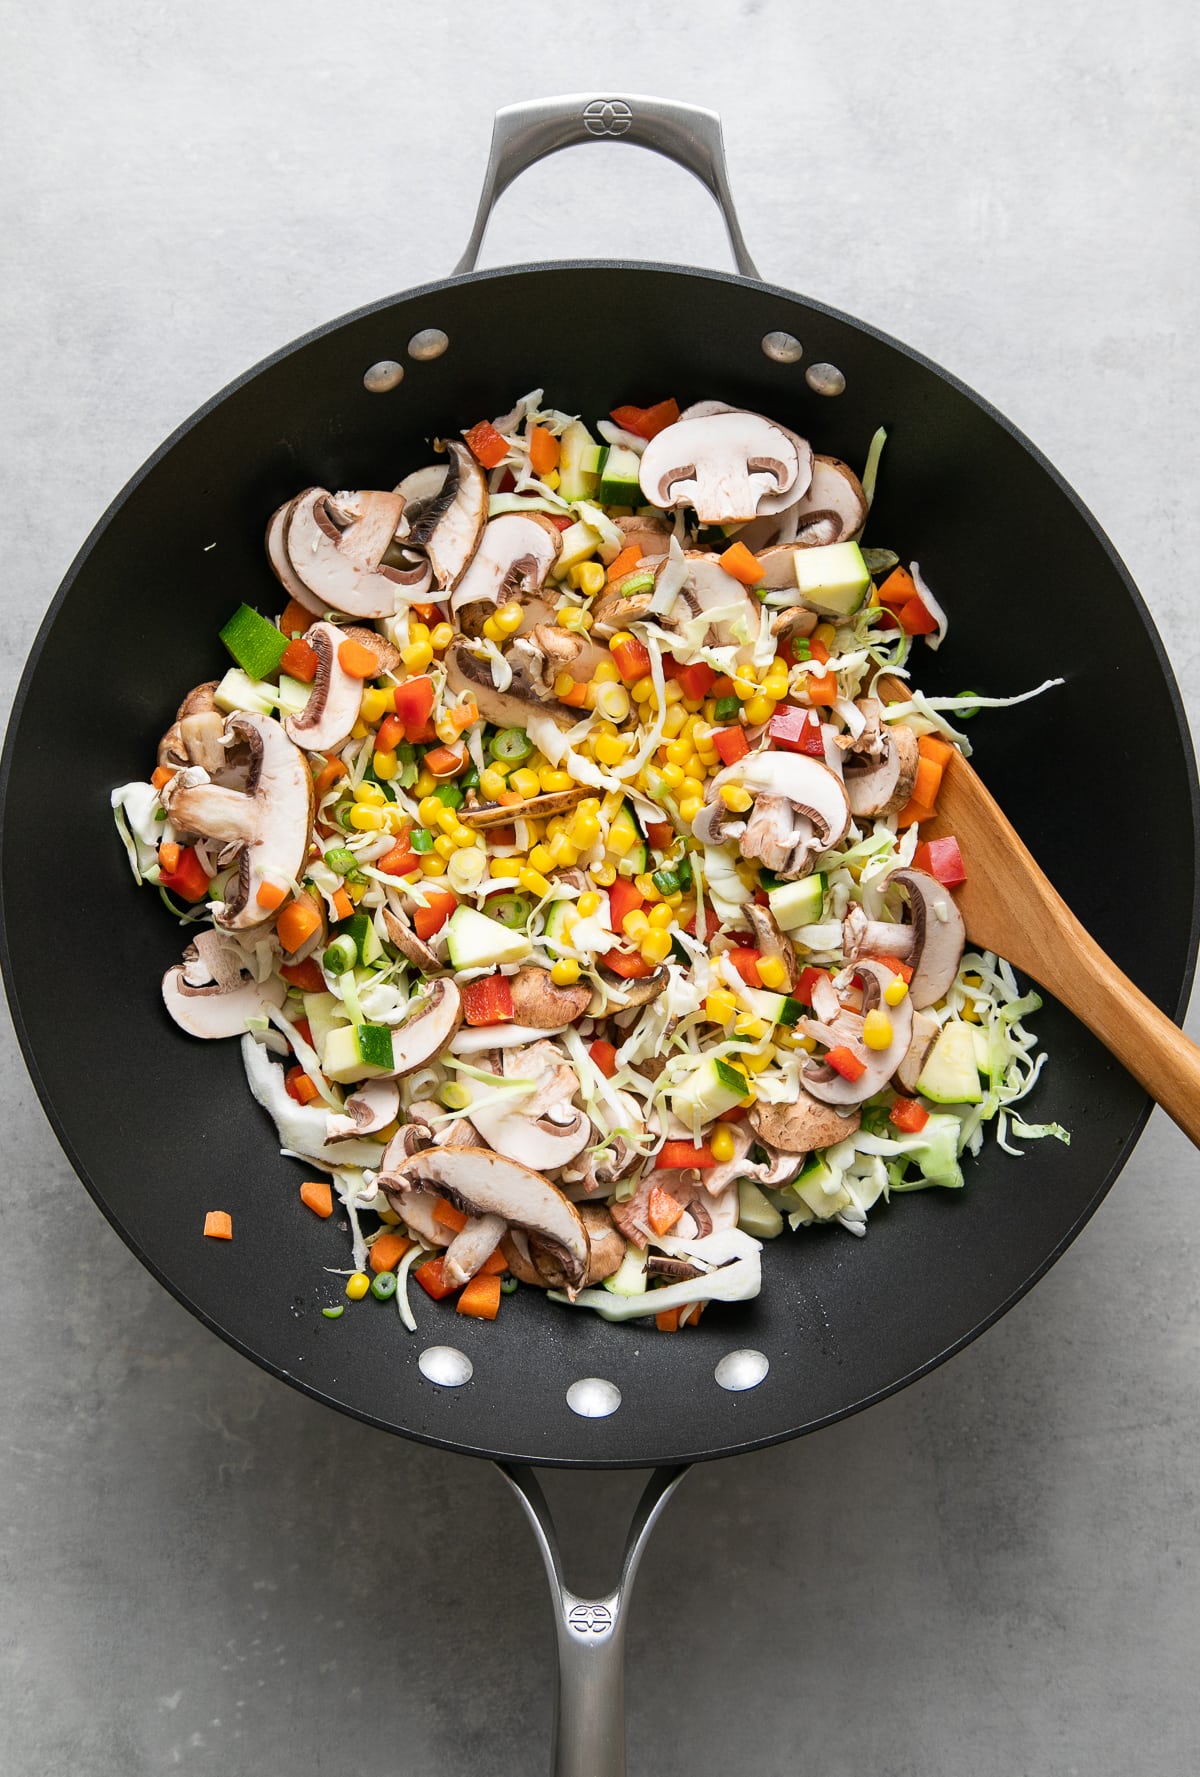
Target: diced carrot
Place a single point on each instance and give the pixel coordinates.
(316, 1195)
(357, 661)
(296, 619)
(742, 564)
(402, 860)
(817, 650)
(510, 798)
(913, 813)
(745, 959)
(908, 1115)
(297, 923)
(328, 776)
(897, 589)
(430, 919)
(916, 619)
(676, 1155)
(667, 1321)
(495, 1265)
(299, 661)
(821, 688)
(445, 761)
(432, 1278)
(387, 1252)
(449, 1216)
(428, 613)
(624, 563)
(270, 895)
(298, 1086)
(343, 906)
(731, 744)
(218, 1225)
(485, 444)
(928, 783)
(904, 970)
(168, 856)
(630, 657)
(577, 697)
(480, 1298)
(502, 834)
(630, 968)
(663, 1210)
(845, 1062)
(935, 749)
(604, 1056)
(161, 775)
(544, 450)
(463, 715)
(306, 976)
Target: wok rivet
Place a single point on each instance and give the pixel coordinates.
(785, 348)
(741, 1369)
(593, 1398)
(825, 379)
(381, 377)
(445, 1365)
(430, 343)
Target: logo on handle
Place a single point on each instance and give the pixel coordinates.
(607, 117)
(590, 1619)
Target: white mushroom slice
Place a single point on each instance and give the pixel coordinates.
(939, 935)
(737, 619)
(728, 465)
(218, 1008)
(449, 527)
(471, 1247)
(196, 737)
(834, 490)
(545, 1129)
(284, 572)
(516, 552)
(334, 701)
(824, 1082)
(925, 1031)
(884, 785)
(507, 709)
(800, 811)
(481, 1183)
(344, 569)
(427, 1032)
(270, 819)
(370, 1108)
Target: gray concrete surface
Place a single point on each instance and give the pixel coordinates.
(996, 1572)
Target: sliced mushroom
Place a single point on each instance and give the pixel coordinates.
(334, 700)
(834, 492)
(798, 1128)
(651, 534)
(196, 736)
(925, 1028)
(939, 935)
(482, 1183)
(537, 657)
(271, 818)
(824, 1082)
(879, 775)
(370, 1108)
(534, 808)
(516, 552)
(220, 1006)
(617, 993)
(408, 944)
(284, 572)
(471, 1247)
(538, 1002)
(465, 671)
(426, 1032)
(728, 465)
(800, 811)
(344, 569)
(449, 526)
(772, 942)
(544, 1129)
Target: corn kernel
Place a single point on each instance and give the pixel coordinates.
(673, 693)
(588, 903)
(610, 749)
(385, 765)
(708, 757)
(690, 788)
(620, 840)
(655, 947)
(736, 799)
(417, 656)
(895, 991)
(757, 1060)
(463, 837)
(642, 691)
(710, 709)
(877, 1029)
(722, 1145)
(672, 776)
(525, 782)
(509, 617)
(370, 794)
(970, 1010)
(661, 916)
(491, 784)
(541, 858)
(825, 632)
(647, 887)
(606, 673)
(444, 846)
(359, 731)
(679, 752)
(564, 684)
(428, 810)
(566, 854)
(492, 631)
(584, 831)
(433, 864)
(635, 925)
(506, 869)
(396, 818)
(367, 820)
(690, 808)
(425, 785)
(554, 782)
(441, 636)
(613, 702)
(720, 1006)
(773, 973)
(550, 480)
(592, 578)
(692, 705)
(357, 1286)
(534, 881)
(572, 617)
(446, 731)
(446, 820)
(417, 631)
(759, 710)
(775, 680)
(749, 1025)
(375, 705)
(674, 720)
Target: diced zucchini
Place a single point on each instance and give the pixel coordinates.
(631, 1279)
(255, 644)
(238, 691)
(950, 1074)
(360, 929)
(357, 1052)
(293, 695)
(755, 1215)
(578, 463)
(635, 859)
(832, 577)
(325, 1013)
(819, 1190)
(619, 469)
(709, 1089)
(473, 941)
(795, 904)
(579, 542)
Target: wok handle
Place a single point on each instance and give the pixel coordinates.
(686, 134)
(589, 1721)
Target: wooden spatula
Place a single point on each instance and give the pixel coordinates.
(1010, 907)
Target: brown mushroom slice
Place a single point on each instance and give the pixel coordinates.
(727, 465)
(370, 1108)
(801, 810)
(651, 534)
(534, 808)
(408, 944)
(540, 654)
(334, 700)
(883, 785)
(217, 1008)
(281, 566)
(516, 552)
(544, 1128)
(532, 1263)
(471, 1247)
(834, 489)
(772, 942)
(823, 1082)
(925, 1028)
(467, 672)
(480, 1183)
(449, 526)
(539, 1003)
(344, 568)
(196, 737)
(939, 935)
(798, 1128)
(426, 1033)
(619, 994)
(271, 818)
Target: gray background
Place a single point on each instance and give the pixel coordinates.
(995, 1572)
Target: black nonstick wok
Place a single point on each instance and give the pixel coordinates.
(162, 1129)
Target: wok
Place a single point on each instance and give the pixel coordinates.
(161, 1129)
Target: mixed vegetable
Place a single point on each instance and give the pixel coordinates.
(561, 872)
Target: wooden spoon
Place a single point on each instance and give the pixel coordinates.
(1009, 906)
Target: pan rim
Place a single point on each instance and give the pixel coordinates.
(49, 620)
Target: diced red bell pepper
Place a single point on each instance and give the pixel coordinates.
(188, 878)
(909, 1116)
(629, 967)
(507, 484)
(487, 1000)
(675, 1155)
(298, 1086)
(704, 930)
(303, 1029)
(604, 1056)
(794, 730)
(485, 444)
(731, 744)
(400, 861)
(431, 919)
(745, 960)
(306, 976)
(503, 835)
(916, 619)
(736, 1115)
(897, 589)
(943, 859)
(845, 1062)
(630, 658)
(624, 896)
(803, 990)
(414, 705)
(562, 523)
(646, 421)
(696, 681)
(661, 834)
(389, 734)
(432, 1278)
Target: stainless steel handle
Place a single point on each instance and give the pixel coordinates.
(523, 134)
(589, 1722)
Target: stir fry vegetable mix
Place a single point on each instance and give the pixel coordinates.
(562, 877)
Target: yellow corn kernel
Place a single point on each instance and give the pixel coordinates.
(661, 916)
(895, 991)
(749, 1025)
(588, 904)
(708, 757)
(565, 972)
(417, 631)
(550, 480)
(679, 751)
(370, 794)
(553, 782)
(441, 636)
(720, 1006)
(359, 731)
(554, 826)
(584, 831)
(433, 864)
(773, 973)
(690, 788)
(506, 869)
(674, 720)
(606, 672)
(525, 782)
(375, 705)
(757, 1060)
(444, 846)
(825, 632)
(647, 887)
(541, 858)
(395, 817)
(428, 810)
(610, 749)
(736, 799)
(367, 820)
(385, 765)
(692, 705)
(710, 710)
(592, 578)
(721, 1145)
(572, 617)
(970, 1010)
(642, 691)
(509, 617)
(492, 631)
(655, 946)
(425, 785)
(534, 881)
(673, 693)
(620, 841)
(877, 1029)
(447, 820)
(690, 808)
(417, 656)
(635, 925)
(357, 1286)
(759, 710)
(445, 730)
(775, 680)
(463, 837)
(672, 775)
(566, 854)
(603, 875)
(491, 784)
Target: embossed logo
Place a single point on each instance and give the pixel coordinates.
(590, 1619)
(607, 117)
